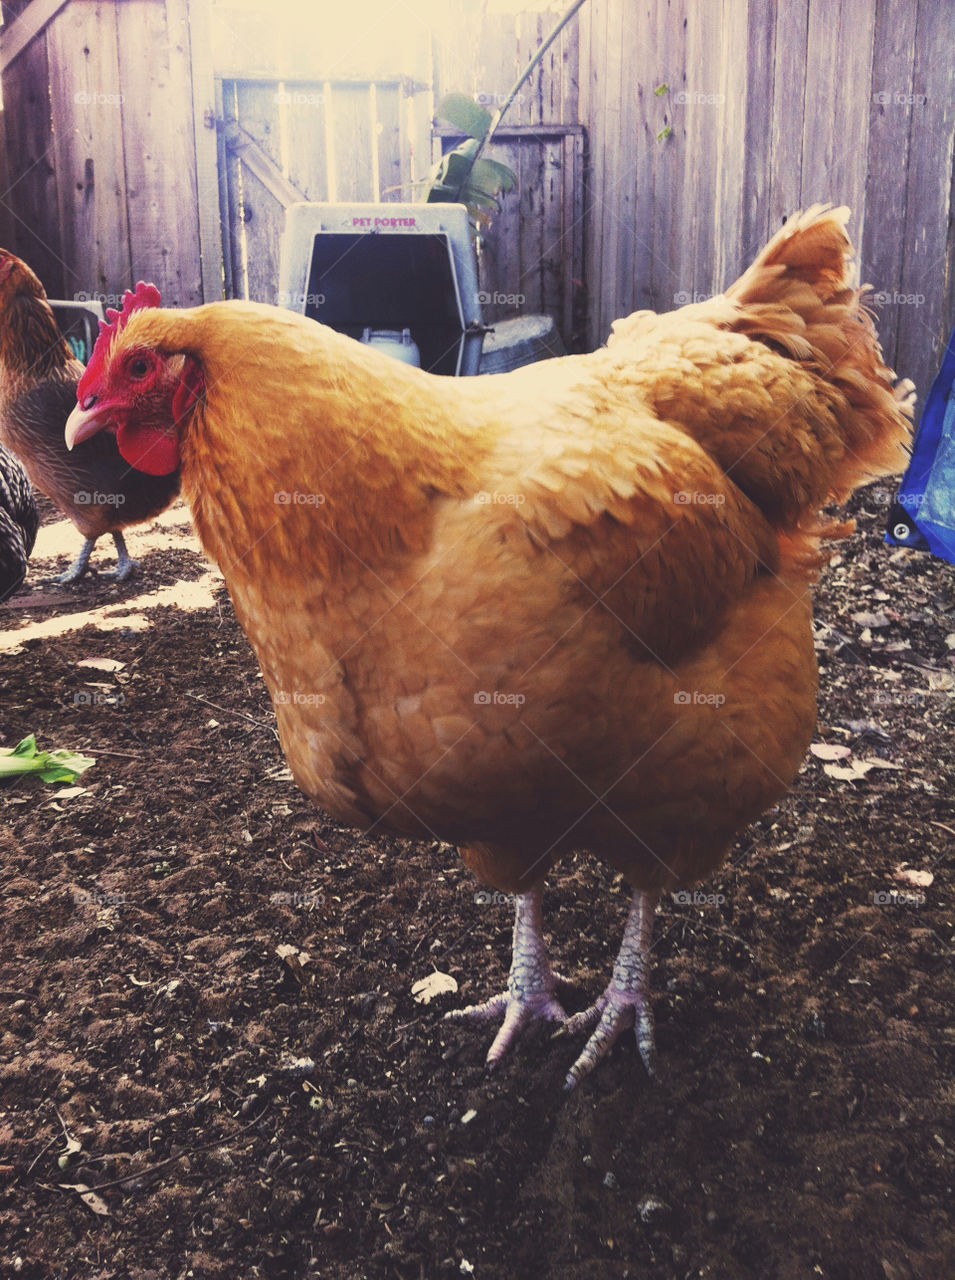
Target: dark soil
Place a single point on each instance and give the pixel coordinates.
(208, 1018)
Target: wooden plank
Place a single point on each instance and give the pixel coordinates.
(225, 163)
(394, 177)
(263, 214)
(554, 255)
(731, 156)
(159, 150)
(601, 159)
(513, 131)
(195, 15)
(303, 120)
(838, 87)
(353, 143)
(648, 114)
(331, 151)
(86, 91)
(757, 169)
(266, 170)
(373, 143)
(568, 51)
(7, 225)
(500, 246)
(30, 201)
(927, 303)
(889, 129)
(695, 214)
(574, 323)
(233, 212)
(672, 263)
(788, 109)
(30, 23)
(528, 278)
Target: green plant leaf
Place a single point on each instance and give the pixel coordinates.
(493, 176)
(465, 114)
(52, 766)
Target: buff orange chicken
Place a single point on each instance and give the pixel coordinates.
(564, 608)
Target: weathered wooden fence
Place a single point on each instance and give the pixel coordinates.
(710, 122)
(109, 144)
(531, 258)
(701, 123)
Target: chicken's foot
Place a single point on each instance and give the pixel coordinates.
(530, 985)
(79, 565)
(125, 564)
(626, 1001)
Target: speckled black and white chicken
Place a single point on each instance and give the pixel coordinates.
(18, 523)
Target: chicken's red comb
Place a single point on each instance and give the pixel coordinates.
(145, 296)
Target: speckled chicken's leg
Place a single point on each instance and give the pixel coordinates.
(530, 984)
(626, 1001)
(125, 564)
(80, 564)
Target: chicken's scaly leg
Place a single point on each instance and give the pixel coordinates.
(626, 1001)
(125, 564)
(530, 984)
(80, 564)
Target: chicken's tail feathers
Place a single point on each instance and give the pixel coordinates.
(798, 297)
(813, 248)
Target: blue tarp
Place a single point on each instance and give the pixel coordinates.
(923, 514)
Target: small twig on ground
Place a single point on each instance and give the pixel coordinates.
(228, 711)
(189, 1151)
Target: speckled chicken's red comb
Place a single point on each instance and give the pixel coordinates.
(144, 296)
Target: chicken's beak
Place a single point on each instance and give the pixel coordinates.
(83, 423)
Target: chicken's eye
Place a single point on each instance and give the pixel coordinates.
(139, 368)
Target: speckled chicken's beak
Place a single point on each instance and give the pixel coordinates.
(81, 424)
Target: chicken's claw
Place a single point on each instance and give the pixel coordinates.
(530, 985)
(626, 1001)
(125, 564)
(518, 1012)
(79, 565)
(615, 1012)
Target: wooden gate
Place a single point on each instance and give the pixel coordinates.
(284, 140)
(531, 258)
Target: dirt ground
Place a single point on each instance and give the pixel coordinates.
(206, 984)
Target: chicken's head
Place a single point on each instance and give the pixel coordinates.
(136, 390)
